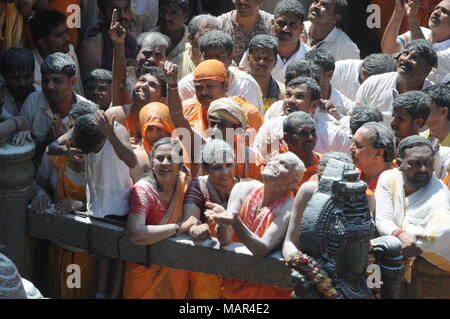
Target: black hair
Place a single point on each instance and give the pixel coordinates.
(264, 41)
(82, 108)
(322, 58)
(17, 59)
(412, 141)
(427, 52)
(440, 94)
(86, 134)
(183, 4)
(292, 119)
(304, 68)
(99, 75)
(416, 103)
(312, 85)
(362, 115)
(290, 7)
(379, 63)
(59, 62)
(43, 22)
(157, 73)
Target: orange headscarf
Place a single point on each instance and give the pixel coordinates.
(154, 114)
(211, 70)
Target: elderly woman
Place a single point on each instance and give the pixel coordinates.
(227, 121)
(218, 163)
(258, 215)
(155, 214)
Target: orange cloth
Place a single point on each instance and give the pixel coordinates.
(249, 162)
(160, 282)
(61, 258)
(11, 26)
(154, 114)
(387, 8)
(258, 223)
(130, 123)
(197, 115)
(211, 70)
(446, 181)
(62, 5)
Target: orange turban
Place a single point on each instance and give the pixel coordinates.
(154, 114)
(211, 70)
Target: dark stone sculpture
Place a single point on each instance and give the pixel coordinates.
(335, 236)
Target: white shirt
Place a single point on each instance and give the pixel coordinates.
(108, 181)
(379, 91)
(337, 42)
(240, 84)
(346, 77)
(343, 105)
(279, 71)
(37, 69)
(37, 110)
(329, 135)
(441, 161)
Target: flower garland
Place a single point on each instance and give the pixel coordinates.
(314, 272)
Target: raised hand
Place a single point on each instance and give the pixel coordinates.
(411, 8)
(171, 71)
(400, 6)
(103, 123)
(218, 214)
(117, 32)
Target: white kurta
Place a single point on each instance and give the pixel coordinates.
(279, 71)
(379, 91)
(337, 42)
(346, 77)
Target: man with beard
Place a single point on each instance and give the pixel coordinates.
(287, 28)
(438, 33)
(48, 110)
(18, 69)
(411, 111)
(244, 23)
(49, 31)
(258, 215)
(372, 151)
(413, 66)
(323, 29)
(413, 205)
(96, 51)
(172, 16)
(302, 94)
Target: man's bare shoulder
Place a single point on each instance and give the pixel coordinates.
(119, 112)
(306, 190)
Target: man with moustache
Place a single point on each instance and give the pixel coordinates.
(49, 32)
(413, 66)
(302, 94)
(438, 33)
(413, 205)
(172, 16)
(96, 51)
(244, 23)
(323, 29)
(372, 151)
(287, 27)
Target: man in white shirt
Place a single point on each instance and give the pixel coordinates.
(323, 31)
(218, 45)
(413, 66)
(49, 31)
(302, 94)
(48, 110)
(350, 74)
(438, 34)
(413, 205)
(287, 28)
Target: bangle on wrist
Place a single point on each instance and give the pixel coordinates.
(398, 232)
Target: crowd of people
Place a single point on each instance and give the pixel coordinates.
(222, 127)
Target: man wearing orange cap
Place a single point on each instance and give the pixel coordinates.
(211, 83)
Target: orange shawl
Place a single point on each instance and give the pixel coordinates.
(257, 222)
(154, 114)
(160, 282)
(65, 188)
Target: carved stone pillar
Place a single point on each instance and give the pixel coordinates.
(17, 187)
